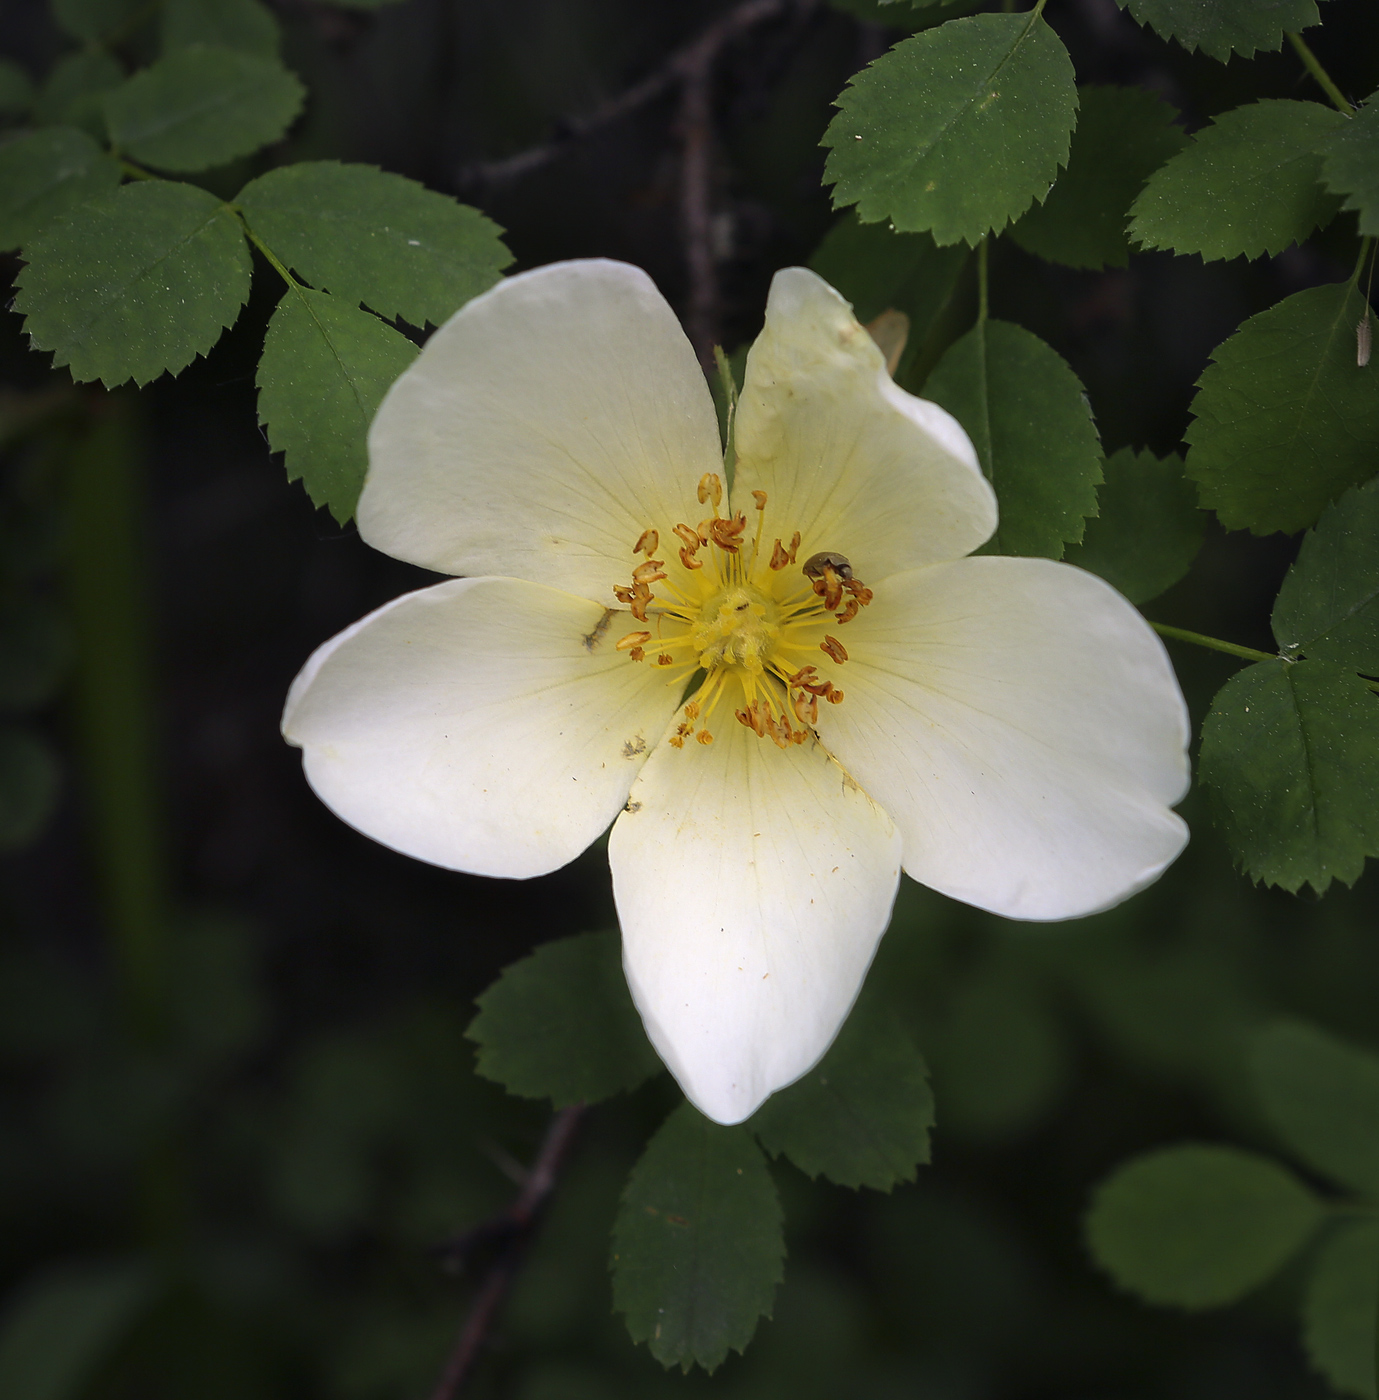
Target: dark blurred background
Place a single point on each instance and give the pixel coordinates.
(238, 1112)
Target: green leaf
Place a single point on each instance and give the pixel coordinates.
(94, 20)
(862, 1116)
(368, 236)
(1199, 1226)
(1028, 418)
(1328, 607)
(560, 1025)
(63, 1322)
(1147, 529)
(30, 782)
(17, 92)
(145, 280)
(246, 26)
(325, 368)
(1248, 184)
(45, 174)
(1291, 755)
(72, 93)
(1223, 27)
(1285, 420)
(1323, 1099)
(697, 1243)
(35, 653)
(1350, 165)
(955, 130)
(202, 106)
(1123, 135)
(1339, 1308)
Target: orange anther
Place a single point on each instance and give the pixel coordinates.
(636, 653)
(727, 534)
(849, 611)
(646, 543)
(688, 560)
(835, 697)
(710, 489)
(649, 572)
(760, 498)
(831, 647)
(779, 557)
(692, 710)
(690, 538)
(704, 737)
(665, 659)
(633, 639)
(676, 742)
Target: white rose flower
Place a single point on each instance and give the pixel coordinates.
(1007, 731)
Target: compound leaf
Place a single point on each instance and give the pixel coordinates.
(697, 1243)
(365, 235)
(1350, 165)
(1223, 27)
(1290, 752)
(1028, 418)
(862, 1116)
(1248, 184)
(1339, 1307)
(73, 91)
(244, 25)
(957, 129)
(1123, 136)
(46, 173)
(325, 368)
(1198, 1226)
(1323, 1099)
(1328, 606)
(1147, 529)
(560, 1025)
(1284, 418)
(145, 280)
(202, 106)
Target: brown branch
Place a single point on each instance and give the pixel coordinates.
(514, 1230)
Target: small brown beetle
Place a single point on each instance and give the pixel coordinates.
(817, 565)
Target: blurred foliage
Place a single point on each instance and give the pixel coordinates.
(242, 1136)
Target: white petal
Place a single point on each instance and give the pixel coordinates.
(474, 724)
(752, 885)
(541, 430)
(1022, 724)
(854, 463)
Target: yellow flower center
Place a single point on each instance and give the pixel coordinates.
(752, 622)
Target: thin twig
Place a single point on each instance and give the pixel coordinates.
(514, 1229)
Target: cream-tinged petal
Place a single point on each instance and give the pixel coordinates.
(541, 430)
(484, 724)
(853, 462)
(1022, 724)
(752, 885)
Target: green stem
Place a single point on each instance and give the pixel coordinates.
(1314, 67)
(135, 172)
(1181, 634)
(983, 283)
(266, 251)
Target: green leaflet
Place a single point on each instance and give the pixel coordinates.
(1339, 1308)
(1322, 1098)
(956, 130)
(201, 106)
(1284, 418)
(30, 781)
(144, 281)
(45, 174)
(1291, 755)
(1248, 184)
(1147, 529)
(72, 93)
(697, 1243)
(560, 1025)
(863, 1115)
(1350, 165)
(325, 368)
(244, 25)
(1028, 418)
(368, 236)
(1123, 135)
(17, 92)
(1224, 27)
(1198, 1226)
(94, 20)
(62, 1323)
(1328, 607)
